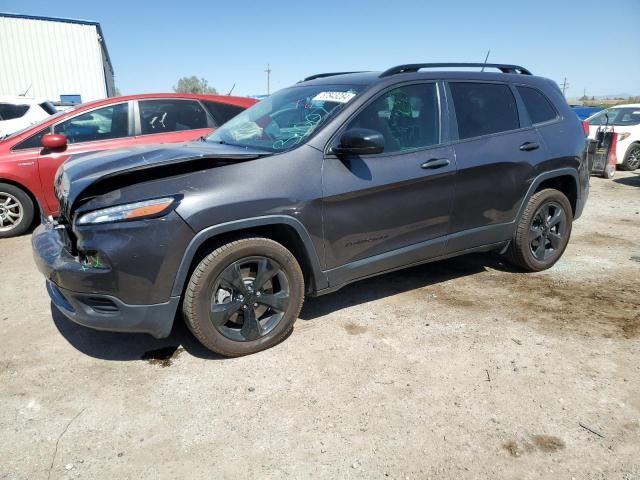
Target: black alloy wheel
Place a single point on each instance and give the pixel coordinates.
(249, 298)
(547, 231)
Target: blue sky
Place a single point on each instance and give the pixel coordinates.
(595, 44)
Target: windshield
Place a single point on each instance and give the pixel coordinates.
(617, 116)
(286, 118)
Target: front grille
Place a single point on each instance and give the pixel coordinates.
(101, 304)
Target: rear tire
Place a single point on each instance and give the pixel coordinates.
(542, 233)
(16, 211)
(244, 297)
(631, 158)
(609, 171)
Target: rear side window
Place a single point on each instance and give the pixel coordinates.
(484, 108)
(222, 112)
(9, 111)
(539, 107)
(49, 108)
(171, 115)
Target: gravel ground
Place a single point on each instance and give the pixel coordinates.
(457, 369)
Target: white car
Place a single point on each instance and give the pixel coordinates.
(625, 120)
(17, 113)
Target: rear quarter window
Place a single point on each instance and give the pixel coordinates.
(484, 108)
(538, 106)
(222, 112)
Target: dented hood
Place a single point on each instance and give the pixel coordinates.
(81, 171)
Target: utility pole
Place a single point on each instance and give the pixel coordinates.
(268, 72)
(564, 85)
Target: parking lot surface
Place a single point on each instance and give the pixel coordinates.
(458, 369)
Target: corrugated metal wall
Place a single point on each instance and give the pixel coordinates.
(55, 58)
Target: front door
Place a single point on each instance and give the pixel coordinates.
(377, 204)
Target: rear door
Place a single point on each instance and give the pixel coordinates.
(496, 152)
(103, 128)
(379, 203)
(169, 120)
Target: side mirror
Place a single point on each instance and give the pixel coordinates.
(54, 141)
(359, 141)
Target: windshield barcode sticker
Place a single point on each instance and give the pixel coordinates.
(337, 97)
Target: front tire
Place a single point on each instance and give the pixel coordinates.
(543, 231)
(16, 211)
(631, 158)
(244, 297)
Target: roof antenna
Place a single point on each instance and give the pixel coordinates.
(26, 91)
(229, 92)
(485, 60)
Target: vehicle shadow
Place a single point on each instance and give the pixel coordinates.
(400, 281)
(629, 181)
(130, 346)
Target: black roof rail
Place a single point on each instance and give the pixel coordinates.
(414, 67)
(323, 75)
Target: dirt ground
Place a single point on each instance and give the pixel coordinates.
(458, 369)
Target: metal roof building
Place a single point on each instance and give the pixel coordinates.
(54, 58)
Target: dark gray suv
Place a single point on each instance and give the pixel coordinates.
(337, 178)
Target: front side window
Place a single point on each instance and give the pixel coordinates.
(620, 116)
(171, 115)
(285, 119)
(102, 124)
(9, 111)
(483, 108)
(407, 117)
(539, 107)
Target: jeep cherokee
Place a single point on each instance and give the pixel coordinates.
(340, 177)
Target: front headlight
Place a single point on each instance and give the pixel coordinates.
(129, 211)
(622, 136)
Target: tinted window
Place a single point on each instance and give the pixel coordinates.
(160, 116)
(49, 108)
(101, 124)
(222, 112)
(539, 107)
(9, 111)
(484, 108)
(34, 141)
(407, 117)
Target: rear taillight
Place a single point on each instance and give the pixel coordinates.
(585, 128)
(613, 157)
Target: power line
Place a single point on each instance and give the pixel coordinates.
(565, 86)
(268, 72)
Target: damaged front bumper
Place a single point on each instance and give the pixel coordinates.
(106, 297)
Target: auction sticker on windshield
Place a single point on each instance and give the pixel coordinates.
(337, 97)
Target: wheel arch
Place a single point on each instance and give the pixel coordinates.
(281, 228)
(28, 192)
(565, 180)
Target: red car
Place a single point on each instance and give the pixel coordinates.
(29, 158)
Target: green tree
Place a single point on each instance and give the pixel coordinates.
(193, 84)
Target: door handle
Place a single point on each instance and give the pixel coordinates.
(528, 146)
(435, 163)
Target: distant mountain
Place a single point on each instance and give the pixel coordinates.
(614, 96)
